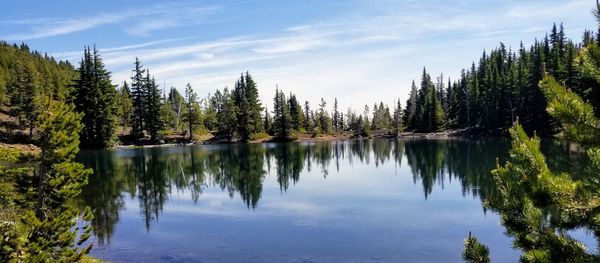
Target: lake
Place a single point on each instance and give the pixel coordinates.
(380, 200)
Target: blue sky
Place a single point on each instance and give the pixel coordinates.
(357, 51)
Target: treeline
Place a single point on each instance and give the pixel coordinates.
(236, 114)
(140, 111)
(501, 86)
(26, 78)
(488, 96)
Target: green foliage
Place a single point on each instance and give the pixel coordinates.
(382, 119)
(226, 112)
(296, 113)
(577, 117)
(324, 124)
(210, 113)
(13, 155)
(338, 119)
(397, 118)
(528, 186)
(247, 102)
(175, 106)
(588, 61)
(154, 107)
(60, 177)
(475, 252)
(193, 112)
(259, 136)
(282, 119)
(52, 78)
(309, 118)
(268, 122)
(50, 230)
(124, 105)
(424, 112)
(26, 95)
(138, 95)
(95, 97)
(503, 84)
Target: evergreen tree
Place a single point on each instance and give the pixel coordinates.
(365, 124)
(210, 113)
(282, 119)
(176, 104)
(95, 97)
(25, 95)
(138, 94)
(125, 105)
(309, 124)
(250, 109)
(296, 113)
(397, 118)
(336, 117)
(323, 119)
(192, 110)
(53, 233)
(410, 111)
(268, 122)
(527, 185)
(52, 78)
(154, 106)
(226, 115)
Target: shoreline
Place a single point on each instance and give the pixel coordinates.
(468, 133)
(457, 133)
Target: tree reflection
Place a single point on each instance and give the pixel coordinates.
(151, 175)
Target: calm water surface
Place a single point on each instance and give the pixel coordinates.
(352, 201)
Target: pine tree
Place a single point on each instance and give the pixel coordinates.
(282, 120)
(175, 104)
(25, 95)
(250, 109)
(268, 122)
(309, 124)
(226, 115)
(154, 105)
(192, 114)
(365, 124)
(527, 185)
(296, 113)
(336, 116)
(210, 113)
(95, 97)
(324, 121)
(52, 231)
(138, 94)
(125, 105)
(410, 111)
(397, 118)
(255, 106)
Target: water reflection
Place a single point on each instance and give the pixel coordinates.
(153, 175)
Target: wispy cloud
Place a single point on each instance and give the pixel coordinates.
(60, 27)
(142, 21)
(373, 48)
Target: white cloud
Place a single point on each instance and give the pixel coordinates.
(65, 27)
(143, 21)
(369, 54)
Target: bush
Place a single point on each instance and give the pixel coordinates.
(258, 136)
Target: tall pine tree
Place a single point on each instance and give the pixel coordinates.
(95, 97)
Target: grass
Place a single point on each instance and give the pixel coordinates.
(90, 259)
(258, 136)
